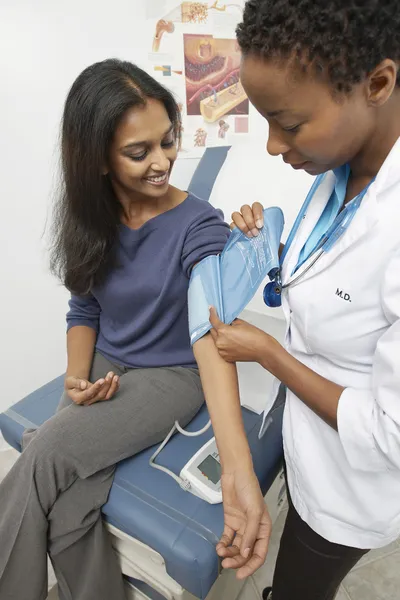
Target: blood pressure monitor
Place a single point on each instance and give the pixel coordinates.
(202, 474)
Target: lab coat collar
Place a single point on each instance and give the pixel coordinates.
(365, 218)
(363, 221)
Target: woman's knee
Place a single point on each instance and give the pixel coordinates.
(54, 437)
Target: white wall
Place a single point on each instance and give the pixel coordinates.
(43, 46)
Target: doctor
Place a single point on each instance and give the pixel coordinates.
(327, 80)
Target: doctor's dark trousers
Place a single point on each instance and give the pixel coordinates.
(308, 566)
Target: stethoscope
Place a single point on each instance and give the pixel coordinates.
(273, 289)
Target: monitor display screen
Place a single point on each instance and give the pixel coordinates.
(211, 469)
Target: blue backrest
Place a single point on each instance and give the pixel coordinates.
(207, 172)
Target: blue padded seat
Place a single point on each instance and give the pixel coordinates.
(150, 506)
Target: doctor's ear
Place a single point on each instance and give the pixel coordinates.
(381, 82)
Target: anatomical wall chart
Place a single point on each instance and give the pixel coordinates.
(193, 51)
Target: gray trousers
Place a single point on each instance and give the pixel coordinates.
(50, 501)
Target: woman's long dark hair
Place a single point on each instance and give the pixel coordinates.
(87, 213)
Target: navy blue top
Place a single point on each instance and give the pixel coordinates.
(140, 311)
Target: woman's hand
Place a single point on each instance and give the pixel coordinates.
(247, 524)
(84, 393)
(249, 220)
(239, 342)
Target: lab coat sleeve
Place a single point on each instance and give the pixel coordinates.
(369, 419)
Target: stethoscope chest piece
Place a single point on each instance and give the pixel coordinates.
(273, 290)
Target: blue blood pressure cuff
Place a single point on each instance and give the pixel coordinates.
(229, 281)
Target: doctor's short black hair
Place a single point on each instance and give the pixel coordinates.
(343, 40)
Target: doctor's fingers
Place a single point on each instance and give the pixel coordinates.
(238, 221)
(250, 219)
(258, 214)
(248, 228)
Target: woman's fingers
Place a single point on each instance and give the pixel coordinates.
(108, 389)
(226, 540)
(255, 542)
(228, 552)
(103, 390)
(91, 395)
(75, 383)
(113, 387)
(232, 549)
(229, 546)
(256, 561)
(109, 378)
(257, 558)
(251, 532)
(247, 565)
(84, 393)
(87, 395)
(236, 561)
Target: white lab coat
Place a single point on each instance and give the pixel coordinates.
(343, 321)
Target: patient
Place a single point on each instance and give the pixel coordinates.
(125, 242)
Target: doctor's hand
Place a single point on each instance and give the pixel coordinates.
(247, 524)
(239, 342)
(84, 393)
(249, 220)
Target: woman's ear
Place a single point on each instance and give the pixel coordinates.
(105, 171)
(382, 81)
